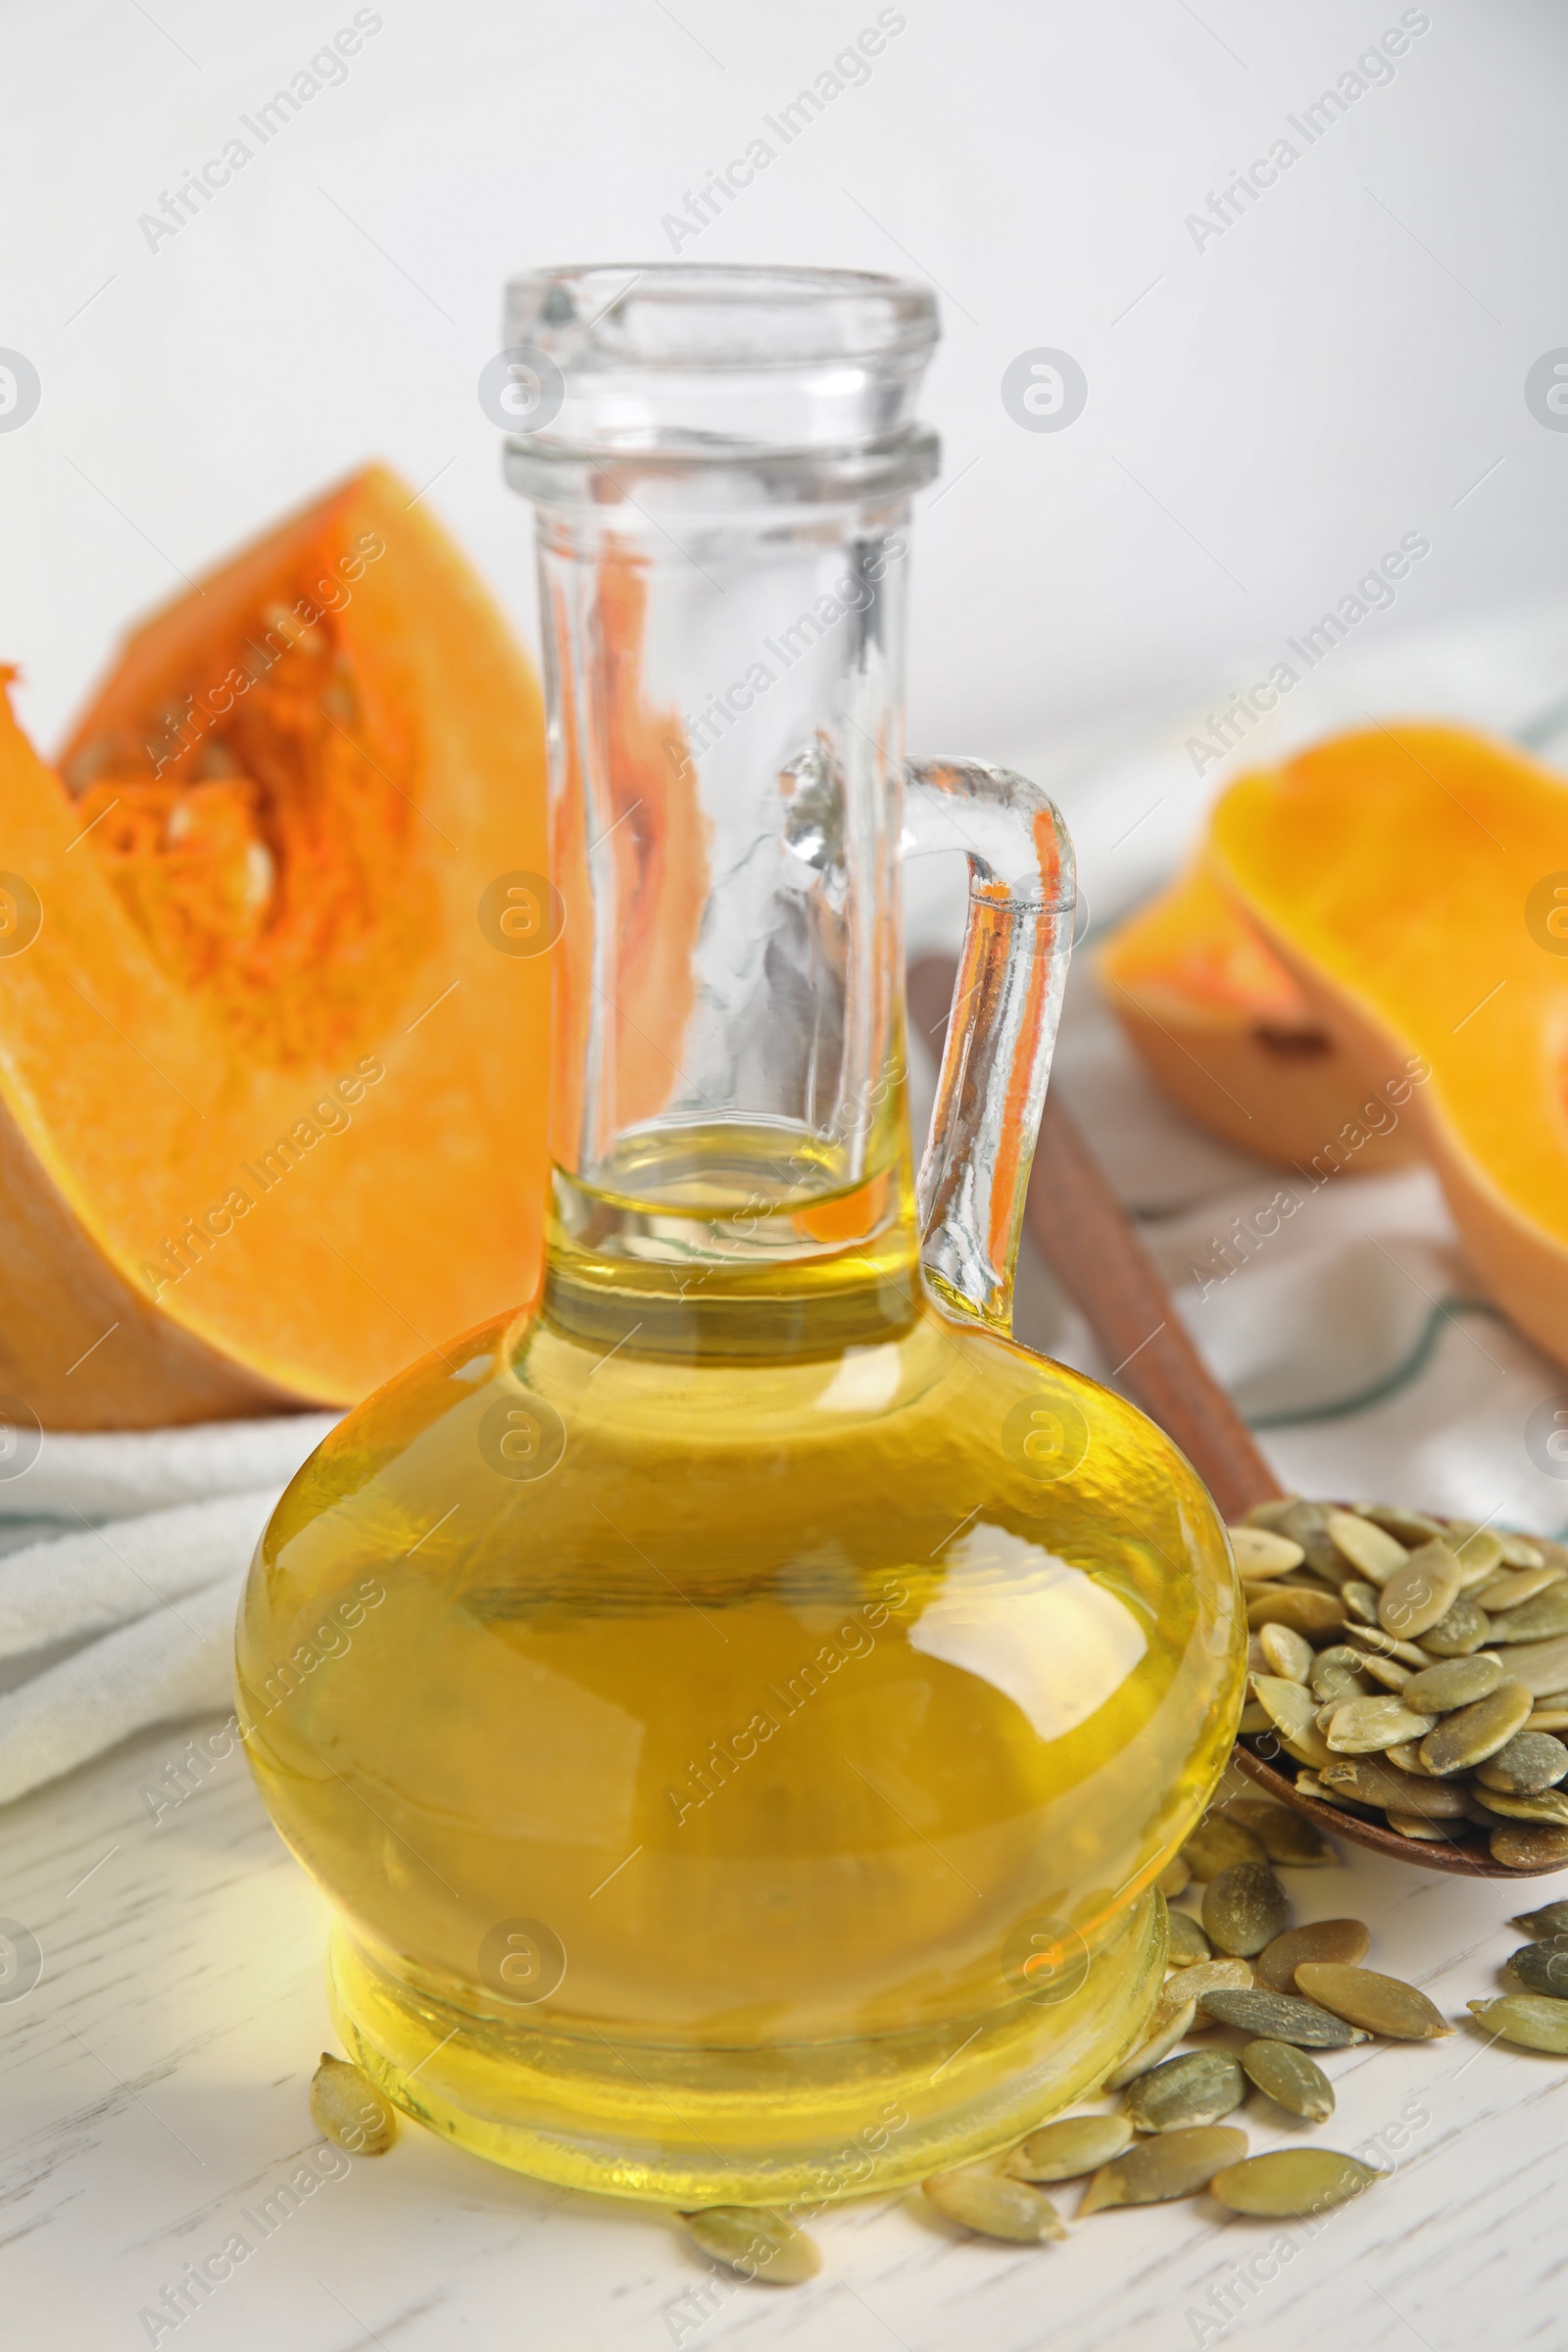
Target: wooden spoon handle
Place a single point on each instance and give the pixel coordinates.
(1089, 1244)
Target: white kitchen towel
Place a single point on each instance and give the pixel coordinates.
(121, 1577)
(112, 1474)
(175, 1661)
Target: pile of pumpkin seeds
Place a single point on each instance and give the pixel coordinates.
(1234, 1960)
(1415, 1669)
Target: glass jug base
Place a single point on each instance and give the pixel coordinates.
(679, 2126)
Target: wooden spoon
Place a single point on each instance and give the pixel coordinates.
(1087, 1240)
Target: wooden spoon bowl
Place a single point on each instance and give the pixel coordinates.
(1469, 1861)
(1087, 1241)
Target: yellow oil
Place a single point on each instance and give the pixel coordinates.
(737, 1709)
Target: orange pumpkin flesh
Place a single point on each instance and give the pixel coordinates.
(271, 1102)
(1229, 1034)
(1399, 875)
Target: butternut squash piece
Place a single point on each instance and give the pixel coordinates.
(1414, 881)
(271, 1091)
(1228, 1033)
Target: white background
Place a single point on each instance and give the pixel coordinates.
(1270, 415)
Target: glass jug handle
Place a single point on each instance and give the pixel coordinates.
(1006, 1004)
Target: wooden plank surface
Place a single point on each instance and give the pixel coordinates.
(155, 2090)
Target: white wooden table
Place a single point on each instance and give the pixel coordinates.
(154, 2098)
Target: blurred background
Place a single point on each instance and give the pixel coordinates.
(1281, 382)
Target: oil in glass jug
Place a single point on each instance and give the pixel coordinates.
(768, 1693)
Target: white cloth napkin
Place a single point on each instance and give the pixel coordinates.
(123, 1559)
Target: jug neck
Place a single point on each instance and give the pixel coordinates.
(723, 618)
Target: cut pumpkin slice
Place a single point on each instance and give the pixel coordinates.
(1227, 1032)
(271, 1076)
(1414, 881)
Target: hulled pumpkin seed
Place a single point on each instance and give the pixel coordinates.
(1529, 1763)
(1199, 2087)
(1460, 1632)
(1505, 1590)
(1366, 1726)
(996, 2204)
(1363, 1996)
(1537, 1619)
(1292, 2181)
(1529, 1845)
(1549, 1719)
(1306, 1524)
(1478, 1550)
(1288, 1838)
(1525, 2018)
(1292, 1711)
(1188, 1942)
(1243, 1909)
(1315, 1614)
(1426, 1833)
(1171, 2021)
(1373, 1781)
(1420, 1591)
(1174, 1879)
(1341, 1939)
(1230, 1974)
(1175, 2163)
(1386, 1671)
(1412, 1528)
(1542, 1666)
(1376, 1642)
(1405, 1756)
(1253, 1718)
(1469, 1734)
(1543, 1967)
(756, 2240)
(1519, 1553)
(347, 2107)
(1286, 1652)
(1292, 2079)
(1332, 1677)
(1281, 2017)
(1270, 1514)
(1551, 1806)
(1067, 2149)
(1261, 1553)
(1371, 1550)
(1454, 1682)
(1217, 1843)
(1308, 1784)
(1361, 1602)
(1552, 1919)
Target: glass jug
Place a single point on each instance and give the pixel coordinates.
(749, 1697)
